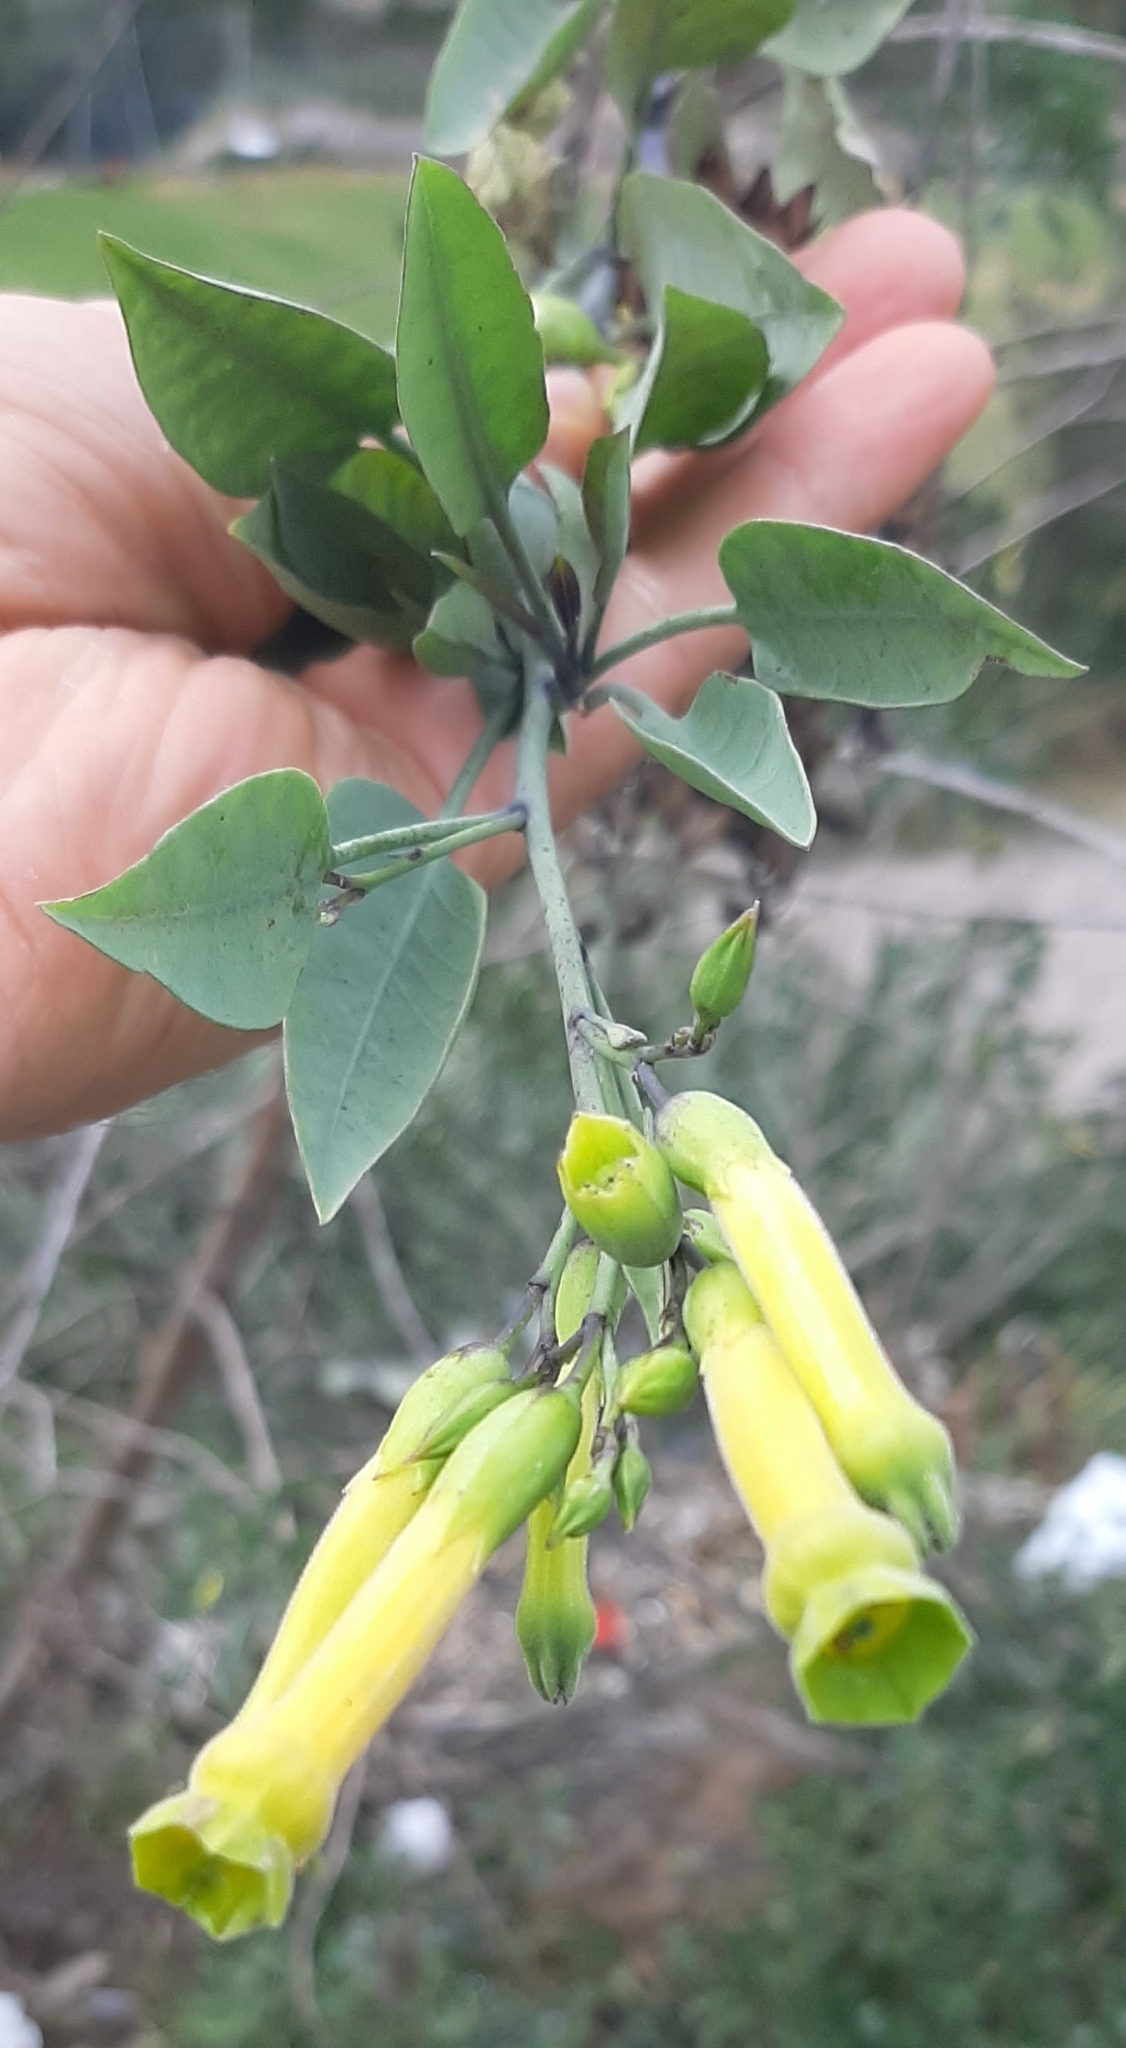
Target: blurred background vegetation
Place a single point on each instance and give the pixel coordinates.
(189, 1367)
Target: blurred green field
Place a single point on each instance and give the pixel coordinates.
(331, 239)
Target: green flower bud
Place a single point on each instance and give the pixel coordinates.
(555, 1618)
(465, 1414)
(705, 1236)
(586, 1501)
(660, 1382)
(633, 1477)
(720, 981)
(620, 1190)
(568, 334)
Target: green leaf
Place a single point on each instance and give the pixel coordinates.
(606, 501)
(223, 911)
(834, 615)
(824, 145)
(471, 374)
(651, 36)
(461, 639)
(704, 378)
(379, 1004)
(679, 235)
(338, 561)
(647, 1285)
(829, 37)
(734, 746)
(395, 492)
(236, 378)
(496, 53)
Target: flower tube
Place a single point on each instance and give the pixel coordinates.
(260, 1796)
(872, 1640)
(896, 1454)
(375, 1508)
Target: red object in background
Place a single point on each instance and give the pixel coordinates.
(611, 1628)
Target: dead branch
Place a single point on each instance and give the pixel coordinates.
(386, 1271)
(241, 1391)
(35, 1281)
(1065, 39)
(169, 1361)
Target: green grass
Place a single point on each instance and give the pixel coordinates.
(327, 238)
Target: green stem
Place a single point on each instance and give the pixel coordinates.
(543, 859)
(511, 819)
(555, 640)
(399, 837)
(494, 729)
(666, 629)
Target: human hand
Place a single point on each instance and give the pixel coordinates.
(126, 695)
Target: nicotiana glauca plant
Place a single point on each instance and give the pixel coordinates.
(401, 500)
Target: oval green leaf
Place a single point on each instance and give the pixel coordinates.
(704, 378)
(379, 1004)
(830, 37)
(338, 561)
(651, 36)
(679, 235)
(470, 363)
(835, 615)
(496, 53)
(734, 746)
(236, 378)
(224, 909)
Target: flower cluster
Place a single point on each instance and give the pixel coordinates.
(846, 1478)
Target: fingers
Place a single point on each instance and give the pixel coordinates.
(577, 419)
(887, 269)
(110, 739)
(100, 523)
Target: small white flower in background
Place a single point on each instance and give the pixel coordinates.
(417, 1832)
(1082, 1538)
(16, 2029)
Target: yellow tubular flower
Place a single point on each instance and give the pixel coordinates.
(376, 1506)
(260, 1795)
(871, 1639)
(896, 1454)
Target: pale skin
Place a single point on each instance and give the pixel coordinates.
(128, 614)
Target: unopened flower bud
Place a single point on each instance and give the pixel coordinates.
(660, 1382)
(633, 1477)
(620, 1190)
(720, 980)
(896, 1454)
(705, 1236)
(568, 334)
(586, 1500)
(872, 1640)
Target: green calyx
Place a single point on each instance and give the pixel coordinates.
(620, 1190)
(465, 1414)
(660, 1382)
(633, 1476)
(568, 334)
(576, 1290)
(700, 1136)
(720, 980)
(509, 1463)
(438, 1390)
(218, 1864)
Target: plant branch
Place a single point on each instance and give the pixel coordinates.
(701, 621)
(468, 775)
(512, 819)
(399, 838)
(543, 858)
(1065, 38)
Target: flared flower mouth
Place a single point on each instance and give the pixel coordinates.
(216, 1863)
(874, 1647)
